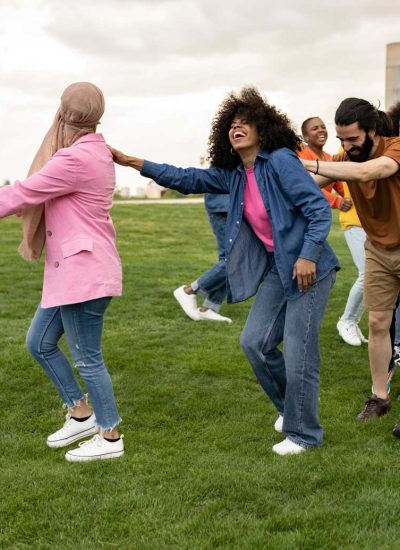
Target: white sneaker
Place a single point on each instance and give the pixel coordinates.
(396, 354)
(96, 448)
(348, 331)
(279, 424)
(72, 431)
(211, 315)
(287, 447)
(187, 302)
(361, 335)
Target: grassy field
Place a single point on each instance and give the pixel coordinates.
(198, 471)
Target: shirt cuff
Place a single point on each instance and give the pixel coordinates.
(151, 169)
(311, 251)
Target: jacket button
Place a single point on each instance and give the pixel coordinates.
(49, 233)
(237, 223)
(230, 240)
(56, 264)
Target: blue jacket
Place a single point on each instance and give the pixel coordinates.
(299, 213)
(216, 203)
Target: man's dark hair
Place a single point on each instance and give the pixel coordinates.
(365, 114)
(274, 128)
(394, 113)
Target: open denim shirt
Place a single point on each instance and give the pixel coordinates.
(299, 213)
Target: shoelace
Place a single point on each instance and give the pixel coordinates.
(96, 440)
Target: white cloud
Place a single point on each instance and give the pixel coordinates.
(164, 66)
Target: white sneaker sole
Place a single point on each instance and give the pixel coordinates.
(77, 458)
(72, 438)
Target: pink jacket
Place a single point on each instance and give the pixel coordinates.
(76, 187)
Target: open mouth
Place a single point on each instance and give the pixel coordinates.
(238, 134)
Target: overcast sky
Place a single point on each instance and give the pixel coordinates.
(164, 66)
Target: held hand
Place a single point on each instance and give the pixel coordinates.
(345, 205)
(305, 273)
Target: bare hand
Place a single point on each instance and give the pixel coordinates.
(119, 157)
(345, 205)
(305, 273)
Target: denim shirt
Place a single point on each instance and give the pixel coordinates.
(299, 213)
(216, 203)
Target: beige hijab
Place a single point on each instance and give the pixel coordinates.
(82, 105)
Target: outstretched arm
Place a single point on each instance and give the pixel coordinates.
(375, 169)
(184, 180)
(126, 160)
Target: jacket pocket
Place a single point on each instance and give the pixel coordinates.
(71, 248)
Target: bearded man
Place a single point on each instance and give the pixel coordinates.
(370, 165)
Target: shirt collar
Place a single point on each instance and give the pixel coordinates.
(262, 154)
(379, 149)
(89, 137)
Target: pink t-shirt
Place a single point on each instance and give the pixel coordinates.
(255, 213)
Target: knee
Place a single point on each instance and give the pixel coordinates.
(379, 322)
(247, 342)
(360, 279)
(32, 344)
(250, 343)
(36, 347)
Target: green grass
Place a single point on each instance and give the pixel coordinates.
(198, 471)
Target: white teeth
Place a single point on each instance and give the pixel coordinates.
(238, 134)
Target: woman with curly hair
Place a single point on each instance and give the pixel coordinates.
(278, 221)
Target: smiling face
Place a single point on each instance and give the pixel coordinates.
(315, 133)
(244, 136)
(356, 142)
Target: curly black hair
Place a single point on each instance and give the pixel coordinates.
(274, 128)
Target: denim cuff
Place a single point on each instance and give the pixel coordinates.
(195, 286)
(211, 305)
(311, 251)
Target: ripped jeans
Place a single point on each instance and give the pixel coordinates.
(82, 325)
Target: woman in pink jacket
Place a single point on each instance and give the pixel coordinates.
(65, 205)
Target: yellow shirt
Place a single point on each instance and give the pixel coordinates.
(349, 218)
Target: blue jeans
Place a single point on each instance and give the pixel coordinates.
(290, 379)
(83, 326)
(212, 284)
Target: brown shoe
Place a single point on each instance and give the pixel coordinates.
(375, 406)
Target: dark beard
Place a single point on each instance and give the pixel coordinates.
(363, 151)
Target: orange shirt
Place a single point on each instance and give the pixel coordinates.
(378, 201)
(308, 154)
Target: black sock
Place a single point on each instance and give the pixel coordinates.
(81, 419)
(112, 440)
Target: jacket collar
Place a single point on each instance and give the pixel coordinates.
(89, 137)
(262, 154)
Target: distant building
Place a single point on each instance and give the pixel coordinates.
(153, 190)
(392, 94)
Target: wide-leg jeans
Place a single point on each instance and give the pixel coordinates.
(212, 284)
(289, 378)
(83, 326)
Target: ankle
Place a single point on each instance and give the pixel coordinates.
(111, 434)
(188, 290)
(81, 410)
(381, 394)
